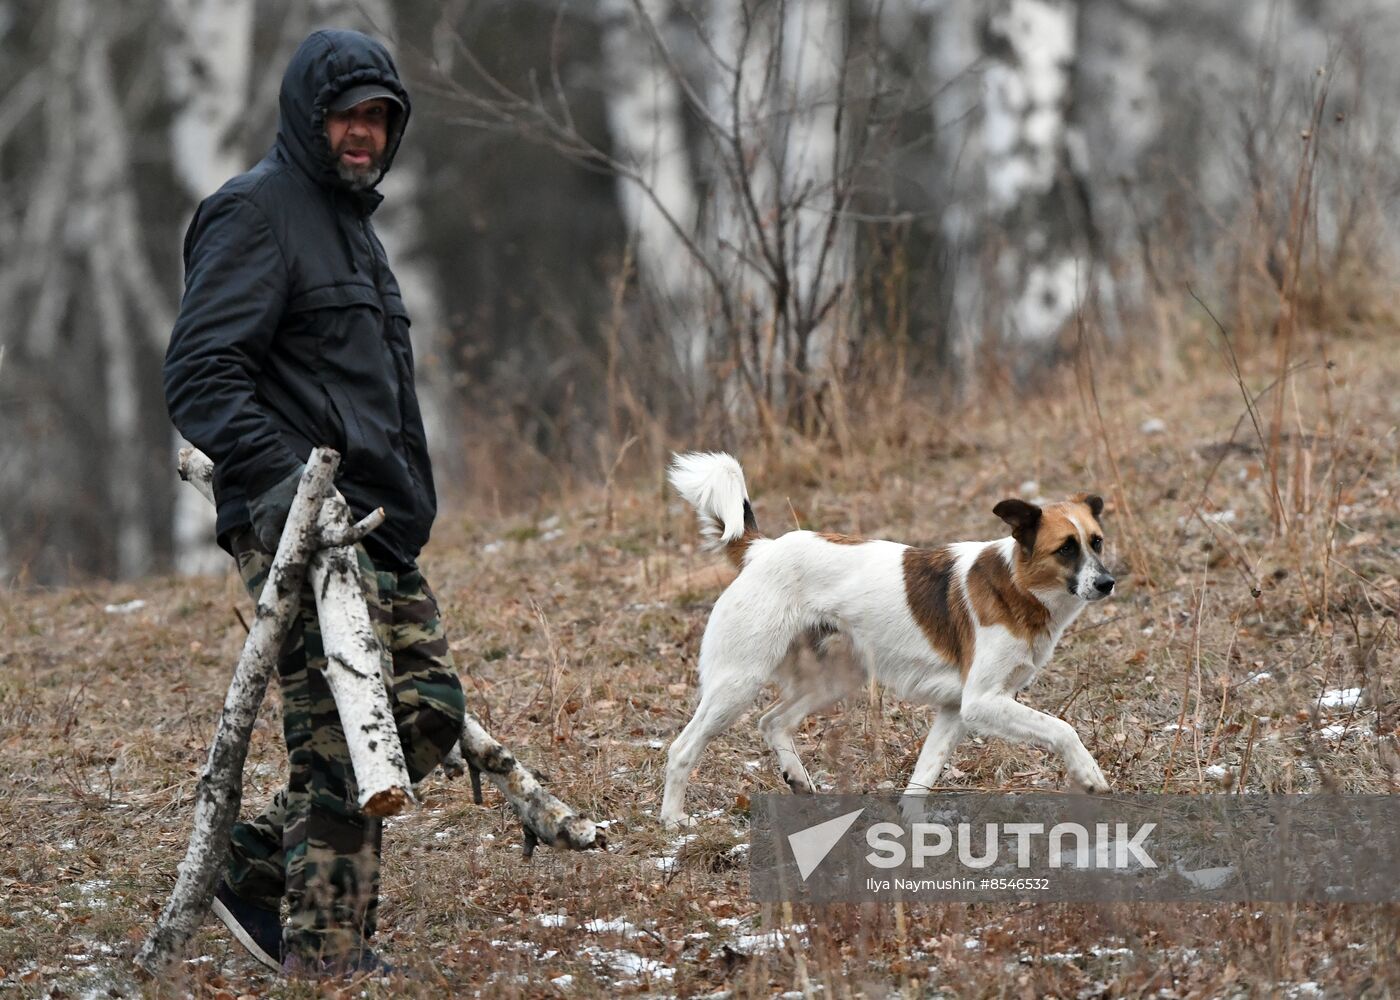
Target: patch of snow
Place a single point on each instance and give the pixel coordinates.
(552, 919)
(1153, 425)
(549, 523)
(1258, 678)
(563, 982)
(1216, 772)
(1207, 878)
(667, 864)
(550, 536)
(615, 926)
(1218, 517)
(1340, 698)
(491, 548)
(631, 964)
(972, 944)
(656, 744)
(124, 609)
(756, 943)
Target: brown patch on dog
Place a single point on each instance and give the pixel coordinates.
(999, 598)
(1041, 568)
(836, 539)
(736, 550)
(934, 598)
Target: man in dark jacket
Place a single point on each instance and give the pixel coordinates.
(292, 334)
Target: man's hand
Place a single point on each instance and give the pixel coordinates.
(270, 508)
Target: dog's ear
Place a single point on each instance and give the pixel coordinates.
(1091, 500)
(1024, 519)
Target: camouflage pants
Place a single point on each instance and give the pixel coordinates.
(313, 847)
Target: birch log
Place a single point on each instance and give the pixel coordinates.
(353, 651)
(353, 670)
(220, 789)
(546, 819)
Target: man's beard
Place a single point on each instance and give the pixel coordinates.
(359, 178)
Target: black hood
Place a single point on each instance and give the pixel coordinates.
(323, 66)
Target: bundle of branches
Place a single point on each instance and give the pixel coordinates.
(318, 536)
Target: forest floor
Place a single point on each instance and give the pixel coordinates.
(576, 626)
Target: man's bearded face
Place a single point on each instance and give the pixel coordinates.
(358, 138)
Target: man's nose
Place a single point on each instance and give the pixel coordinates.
(1104, 583)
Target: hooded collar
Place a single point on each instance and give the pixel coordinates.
(323, 66)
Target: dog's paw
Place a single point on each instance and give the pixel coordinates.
(797, 783)
(1088, 777)
(679, 821)
(913, 807)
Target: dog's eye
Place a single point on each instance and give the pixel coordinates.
(1097, 543)
(1069, 548)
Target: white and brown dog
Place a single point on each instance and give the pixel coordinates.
(963, 627)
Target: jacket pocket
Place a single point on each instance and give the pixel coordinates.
(342, 409)
(333, 422)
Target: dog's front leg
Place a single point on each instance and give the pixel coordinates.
(1001, 715)
(944, 736)
(989, 708)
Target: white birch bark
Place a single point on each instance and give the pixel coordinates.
(545, 819)
(744, 177)
(102, 173)
(659, 205)
(813, 59)
(356, 672)
(208, 69)
(1015, 226)
(220, 789)
(1026, 140)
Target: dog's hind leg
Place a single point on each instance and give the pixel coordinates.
(781, 721)
(720, 707)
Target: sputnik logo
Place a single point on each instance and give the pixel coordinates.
(811, 846)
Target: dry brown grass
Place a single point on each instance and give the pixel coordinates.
(578, 638)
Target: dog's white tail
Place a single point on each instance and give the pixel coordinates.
(713, 483)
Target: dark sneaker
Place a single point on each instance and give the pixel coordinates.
(365, 962)
(256, 928)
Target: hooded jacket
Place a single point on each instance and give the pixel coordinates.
(292, 333)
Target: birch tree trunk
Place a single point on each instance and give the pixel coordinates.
(1016, 226)
(659, 205)
(103, 162)
(813, 63)
(742, 233)
(777, 100)
(208, 72)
